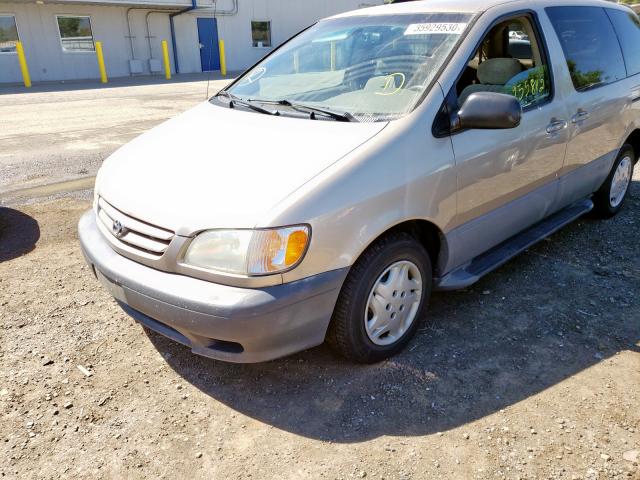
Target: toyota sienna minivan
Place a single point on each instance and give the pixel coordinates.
(377, 156)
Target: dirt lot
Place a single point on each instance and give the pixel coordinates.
(532, 373)
(58, 132)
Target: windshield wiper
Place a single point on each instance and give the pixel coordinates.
(339, 116)
(233, 100)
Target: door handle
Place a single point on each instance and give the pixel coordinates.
(556, 126)
(581, 116)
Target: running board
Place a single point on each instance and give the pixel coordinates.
(490, 260)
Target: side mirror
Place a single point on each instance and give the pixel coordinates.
(489, 110)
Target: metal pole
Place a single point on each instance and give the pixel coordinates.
(223, 59)
(23, 65)
(165, 57)
(103, 70)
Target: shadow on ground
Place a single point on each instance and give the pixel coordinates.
(19, 234)
(549, 314)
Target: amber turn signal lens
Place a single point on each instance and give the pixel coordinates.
(296, 245)
(276, 250)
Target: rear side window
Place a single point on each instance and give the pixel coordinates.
(627, 26)
(590, 45)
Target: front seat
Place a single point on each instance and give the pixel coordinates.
(493, 74)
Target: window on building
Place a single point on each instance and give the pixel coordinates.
(261, 34)
(8, 34)
(627, 25)
(589, 44)
(75, 34)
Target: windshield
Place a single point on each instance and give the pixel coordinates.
(374, 68)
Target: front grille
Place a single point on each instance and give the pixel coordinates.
(135, 234)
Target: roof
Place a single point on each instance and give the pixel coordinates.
(458, 6)
(462, 6)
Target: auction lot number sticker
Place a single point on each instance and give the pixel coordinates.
(431, 28)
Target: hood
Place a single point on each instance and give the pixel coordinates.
(216, 167)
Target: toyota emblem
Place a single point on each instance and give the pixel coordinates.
(117, 228)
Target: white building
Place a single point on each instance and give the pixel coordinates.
(58, 36)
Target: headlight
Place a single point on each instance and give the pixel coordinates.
(249, 252)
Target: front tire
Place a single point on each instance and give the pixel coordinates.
(383, 299)
(609, 199)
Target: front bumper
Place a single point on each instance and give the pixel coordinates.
(217, 321)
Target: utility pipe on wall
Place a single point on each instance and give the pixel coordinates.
(146, 21)
(130, 37)
(225, 13)
(172, 27)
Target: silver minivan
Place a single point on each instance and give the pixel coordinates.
(375, 157)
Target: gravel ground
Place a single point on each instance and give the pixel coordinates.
(532, 373)
(60, 132)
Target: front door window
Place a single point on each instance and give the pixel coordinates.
(510, 61)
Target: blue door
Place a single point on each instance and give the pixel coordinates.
(209, 50)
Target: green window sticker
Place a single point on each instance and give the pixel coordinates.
(530, 86)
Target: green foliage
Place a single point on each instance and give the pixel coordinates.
(74, 27)
(7, 35)
(8, 31)
(583, 80)
(260, 31)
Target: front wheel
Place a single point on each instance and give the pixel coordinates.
(608, 200)
(383, 299)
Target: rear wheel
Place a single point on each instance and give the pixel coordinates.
(383, 299)
(609, 199)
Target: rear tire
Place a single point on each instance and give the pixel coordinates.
(610, 198)
(383, 299)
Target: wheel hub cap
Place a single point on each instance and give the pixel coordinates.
(620, 182)
(393, 303)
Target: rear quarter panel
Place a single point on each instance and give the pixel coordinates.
(632, 110)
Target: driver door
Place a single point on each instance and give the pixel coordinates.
(507, 179)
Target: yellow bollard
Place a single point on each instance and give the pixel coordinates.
(23, 65)
(103, 70)
(165, 58)
(223, 59)
(333, 56)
